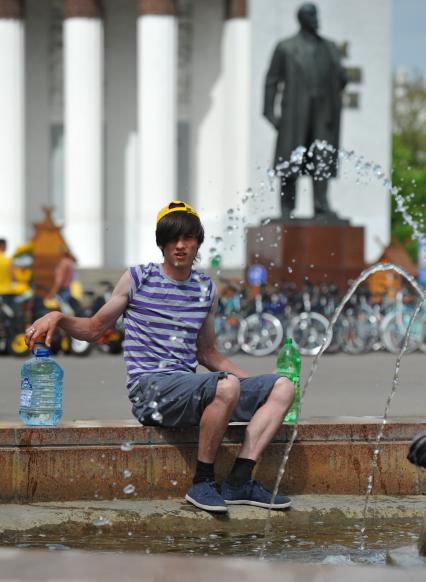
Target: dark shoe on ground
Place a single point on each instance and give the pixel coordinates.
(206, 495)
(253, 493)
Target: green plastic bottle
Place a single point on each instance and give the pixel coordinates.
(289, 365)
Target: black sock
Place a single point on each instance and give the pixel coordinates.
(241, 472)
(204, 472)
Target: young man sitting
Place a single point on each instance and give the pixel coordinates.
(169, 313)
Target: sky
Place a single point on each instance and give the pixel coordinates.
(409, 34)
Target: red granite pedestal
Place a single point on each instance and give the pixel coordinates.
(304, 251)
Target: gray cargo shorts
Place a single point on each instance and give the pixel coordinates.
(178, 399)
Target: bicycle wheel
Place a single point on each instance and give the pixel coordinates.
(226, 328)
(80, 347)
(260, 334)
(18, 347)
(337, 340)
(360, 332)
(394, 329)
(422, 345)
(308, 331)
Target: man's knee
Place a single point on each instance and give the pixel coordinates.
(228, 390)
(283, 390)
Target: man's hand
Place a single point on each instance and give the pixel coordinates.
(42, 329)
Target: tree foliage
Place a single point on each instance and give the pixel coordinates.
(409, 160)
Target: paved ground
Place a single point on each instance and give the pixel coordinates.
(342, 385)
(72, 566)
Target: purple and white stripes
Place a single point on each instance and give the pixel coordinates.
(162, 321)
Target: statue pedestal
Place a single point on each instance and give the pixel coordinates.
(320, 253)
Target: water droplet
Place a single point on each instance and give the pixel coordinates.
(230, 211)
(101, 521)
(129, 489)
(127, 446)
(127, 473)
(153, 404)
(290, 270)
(162, 364)
(157, 416)
(266, 221)
(173, 482)
(229, 228)
(377, 171)
(218, 239)
(173, 338)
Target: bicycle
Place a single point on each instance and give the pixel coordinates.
(261, 332)
(395, 325)
(309, 328)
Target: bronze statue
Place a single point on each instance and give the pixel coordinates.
(306, 74)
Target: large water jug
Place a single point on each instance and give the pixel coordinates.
(41, 389)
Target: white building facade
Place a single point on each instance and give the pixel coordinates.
(111, 109)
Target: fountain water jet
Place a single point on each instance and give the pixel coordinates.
(363, 276)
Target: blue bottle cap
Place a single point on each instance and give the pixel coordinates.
(41, 350)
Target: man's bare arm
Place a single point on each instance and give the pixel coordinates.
(207, 353)
(83, 328)
(61, 272)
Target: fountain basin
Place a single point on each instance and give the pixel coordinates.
(319, 529)
(97, 460)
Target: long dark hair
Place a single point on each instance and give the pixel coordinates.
(177, 224)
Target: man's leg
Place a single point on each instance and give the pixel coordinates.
(288, 196)
(261, 429)
(321, 205)
(267, 420)
(214, 422)
(215, 418)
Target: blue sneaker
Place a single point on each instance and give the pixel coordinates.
(206, 495)
(253, 493)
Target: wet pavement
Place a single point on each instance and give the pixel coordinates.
(344, 385)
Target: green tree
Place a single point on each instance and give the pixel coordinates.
(409, 160)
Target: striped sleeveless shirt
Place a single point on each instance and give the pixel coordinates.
(162, 321)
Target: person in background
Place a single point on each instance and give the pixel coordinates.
(64, 275)
(169, 310)
(6, 270)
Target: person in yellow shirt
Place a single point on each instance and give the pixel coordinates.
(6, 276)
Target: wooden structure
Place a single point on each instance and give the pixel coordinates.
(48, 248)
(389, 282)
(303, 251)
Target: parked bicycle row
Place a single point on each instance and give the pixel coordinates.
(257, 324)
(17, 311)
(254, 324)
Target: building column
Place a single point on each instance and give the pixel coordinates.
(157, 113)
(12, 122)
(236, 134)
(83, 123)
